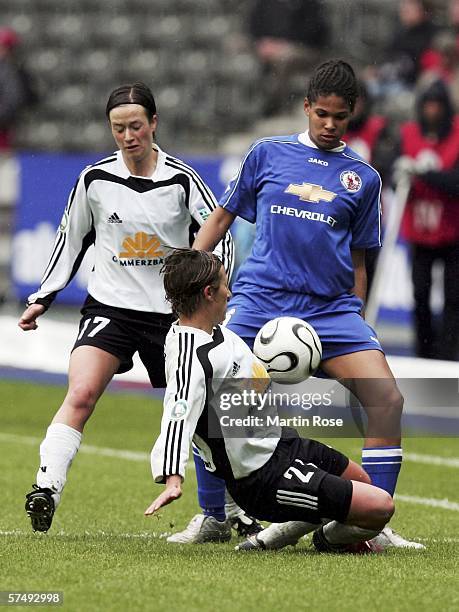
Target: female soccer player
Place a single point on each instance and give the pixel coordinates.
(316, 206)
(129, 205)
(279, 476)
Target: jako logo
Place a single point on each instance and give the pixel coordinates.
(320, 162)
(141, 246)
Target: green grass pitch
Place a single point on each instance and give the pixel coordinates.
(105, 555)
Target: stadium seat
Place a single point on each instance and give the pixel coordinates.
(114, 30)
(200, 7)
(169, 101)
(212, 32)
(196, 64)
(42, 136)
(66, 31)
(147, 64)
(51, 68)
(78, 50)
(92, 135)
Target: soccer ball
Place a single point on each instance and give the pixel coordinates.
(289, 348)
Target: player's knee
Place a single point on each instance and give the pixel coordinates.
(82, 397)
(396, 401)
(387, 410)
(393, 403)
(383, 508)
(387, 507)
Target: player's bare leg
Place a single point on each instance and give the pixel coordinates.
(90, 371)
(368, 376)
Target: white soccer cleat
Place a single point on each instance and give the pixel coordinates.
(202, 529)
(388, 538)
(277, 535)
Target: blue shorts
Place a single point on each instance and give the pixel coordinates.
(337, 322)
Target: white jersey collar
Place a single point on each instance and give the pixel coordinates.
(187, 328)
(125, 172)
(305, 139)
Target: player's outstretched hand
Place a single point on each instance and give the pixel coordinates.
(172, 492)
(30, 315)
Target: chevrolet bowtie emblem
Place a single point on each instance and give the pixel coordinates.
(311, 193)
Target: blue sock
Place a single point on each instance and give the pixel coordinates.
(211, 491)
(383, 465)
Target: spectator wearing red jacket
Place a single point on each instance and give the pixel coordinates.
(431, 219)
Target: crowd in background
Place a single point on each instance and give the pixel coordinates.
(407, 111)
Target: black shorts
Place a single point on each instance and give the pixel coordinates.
(301, 482)
(122, 332)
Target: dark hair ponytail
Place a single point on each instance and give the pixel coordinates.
(137, 93)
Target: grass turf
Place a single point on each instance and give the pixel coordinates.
(105, 555)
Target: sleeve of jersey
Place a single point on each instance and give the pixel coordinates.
(183, 404)
(202, 203)
(240, 196)
(366, 225)
(74, 235)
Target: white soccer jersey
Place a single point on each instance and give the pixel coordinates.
(198, 366)
(131, 221)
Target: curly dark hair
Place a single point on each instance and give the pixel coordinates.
(334, 77)
(186, 273)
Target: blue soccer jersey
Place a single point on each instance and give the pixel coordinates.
(311, 207)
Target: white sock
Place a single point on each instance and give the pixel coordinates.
(291, 529)
(232, 510)
(57, 452)
(338, 533)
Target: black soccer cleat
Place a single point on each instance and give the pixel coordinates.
(319, 541)
(245, 525)
(251, 543)
(322, 545)
(40, 508)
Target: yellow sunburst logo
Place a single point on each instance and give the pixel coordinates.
(141, 246)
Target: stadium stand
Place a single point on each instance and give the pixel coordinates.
(194, 53)
(78, 51)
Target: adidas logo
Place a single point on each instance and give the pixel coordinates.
(114, 218)
(236, 368)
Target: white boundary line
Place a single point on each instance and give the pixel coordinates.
(451, 462)
(85, 448)
(446, 504)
